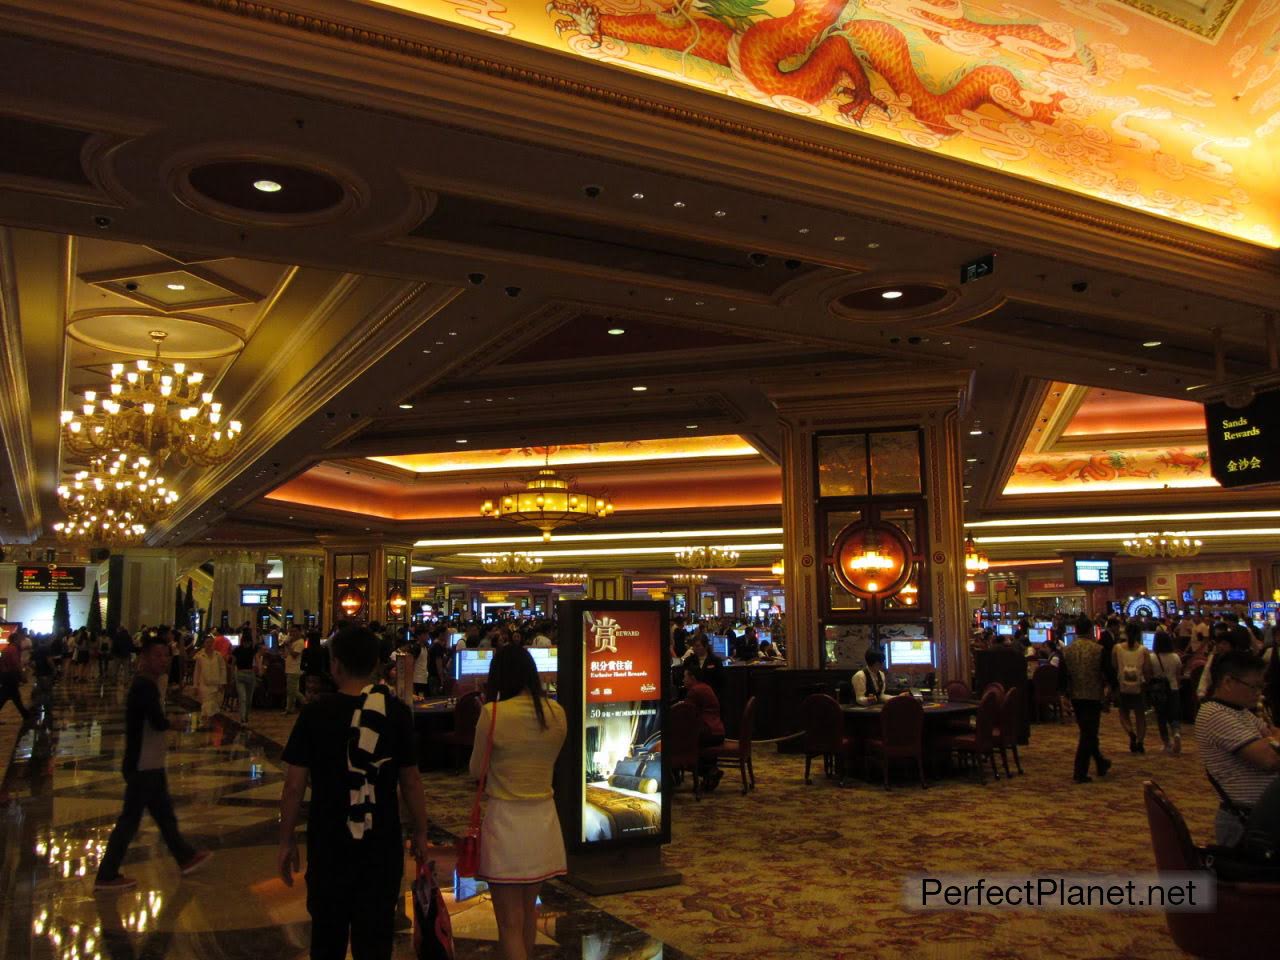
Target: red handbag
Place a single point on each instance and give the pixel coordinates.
(469, 845)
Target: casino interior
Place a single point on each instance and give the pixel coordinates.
(451, 310)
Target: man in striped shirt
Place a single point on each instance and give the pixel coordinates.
(1239, 751)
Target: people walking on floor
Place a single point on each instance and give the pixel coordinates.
(247, 657)
(1163, 688)
(1132, 668)
(146, 786)
(210, 680)
(292, 649)
(520, 841)
(357, 750)
(11, 676)
(1085, 680)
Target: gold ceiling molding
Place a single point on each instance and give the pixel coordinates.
(1236, 253)
(1204, 19)
(82, 328)
(15, 398)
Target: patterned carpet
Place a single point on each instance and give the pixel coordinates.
(816, 871)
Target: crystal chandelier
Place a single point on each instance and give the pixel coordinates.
(157, 411)
(570, 579)
(706, 558)
(975, 560)
(511, 563)
(547, 501)
(119, 485)
(1162, 545)
(689, 579)
(108, 528)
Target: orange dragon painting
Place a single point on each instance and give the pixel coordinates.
(1102, 468)
(815, 53)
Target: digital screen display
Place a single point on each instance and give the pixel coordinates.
(1093, 572)
(49, 578)
(255, 596)
(1039, 635)
(622, 666)
(1068, 635)
(1004, 629)
(475, 663)
(719, 646)
(1237, 596)
(1149, 639)
(1214, 596)
(908, 653)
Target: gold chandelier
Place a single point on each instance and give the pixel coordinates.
(156, 411)
(689, 579)
(975, 560)
(570, 579)
(511, 563)
(1162, 545)
(779, 567)
(707, 558)
(108, 529)
(119, 485)
(547, 502)
(871, 560)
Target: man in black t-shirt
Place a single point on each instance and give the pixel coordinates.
(353, 875)
(146, 787)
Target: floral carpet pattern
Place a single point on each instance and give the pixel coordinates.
(817, 871)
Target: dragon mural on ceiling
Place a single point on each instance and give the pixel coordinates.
(815, 53)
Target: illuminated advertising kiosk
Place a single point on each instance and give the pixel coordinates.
(611, 782)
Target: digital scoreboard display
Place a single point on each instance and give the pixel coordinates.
(255, 596)
(49, 578)
(1093, 572)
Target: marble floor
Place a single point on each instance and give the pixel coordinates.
(59, 797)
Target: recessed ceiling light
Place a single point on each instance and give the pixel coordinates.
(699, 303)
(459, 441)
(975, 433)
(453, 333)
(891, 294)
(1152, 343)
(616, 331)
(267, 186)
(426, 351)
(733, 309)
(406, 406)
(872, 245)
(176, 286)
(668, 299)
(637, 195)
(972, 459)
(804, 229)
(639, 389)
(466, 401)
(679, 204)
(839, 238)
(722, 213)
(691, 426)
(488, 399)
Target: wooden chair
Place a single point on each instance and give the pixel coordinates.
(738, 751)
(466, 713)
(980, 742)
(680, 744)
(824, 734)
(1006, 734)
(901, 736)
(1244, 923)
(1047, 695)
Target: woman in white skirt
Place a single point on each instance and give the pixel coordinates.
(520, 841)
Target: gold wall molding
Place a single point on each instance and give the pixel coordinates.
(15, 398)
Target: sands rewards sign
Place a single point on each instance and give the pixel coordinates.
(613, 688)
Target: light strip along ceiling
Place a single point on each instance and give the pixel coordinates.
(680, 535)
(1075, 537)
(635, 551)
(1130, 518)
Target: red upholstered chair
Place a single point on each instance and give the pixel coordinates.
(980, 742)
(466, 713)
(1006, 732)
(738, 751)
(993, 685)
(680, 743)
(824, 734)
(1245, 922)
(958, 691)
(1045, 688)
(901, 736)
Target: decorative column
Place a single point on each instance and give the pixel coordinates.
(300, 588)
(148, 577)
(232, 569)
(871, 466)
(366, 580)
(616, 587)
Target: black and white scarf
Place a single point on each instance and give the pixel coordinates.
(365, 756)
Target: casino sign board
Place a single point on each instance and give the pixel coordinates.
(49, 578)
(1244, 442)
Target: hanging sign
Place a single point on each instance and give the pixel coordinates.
(49, 578)
(1244, 442)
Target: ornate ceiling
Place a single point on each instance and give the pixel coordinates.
(1168, 107)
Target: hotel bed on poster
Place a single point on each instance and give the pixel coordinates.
(612, 683)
